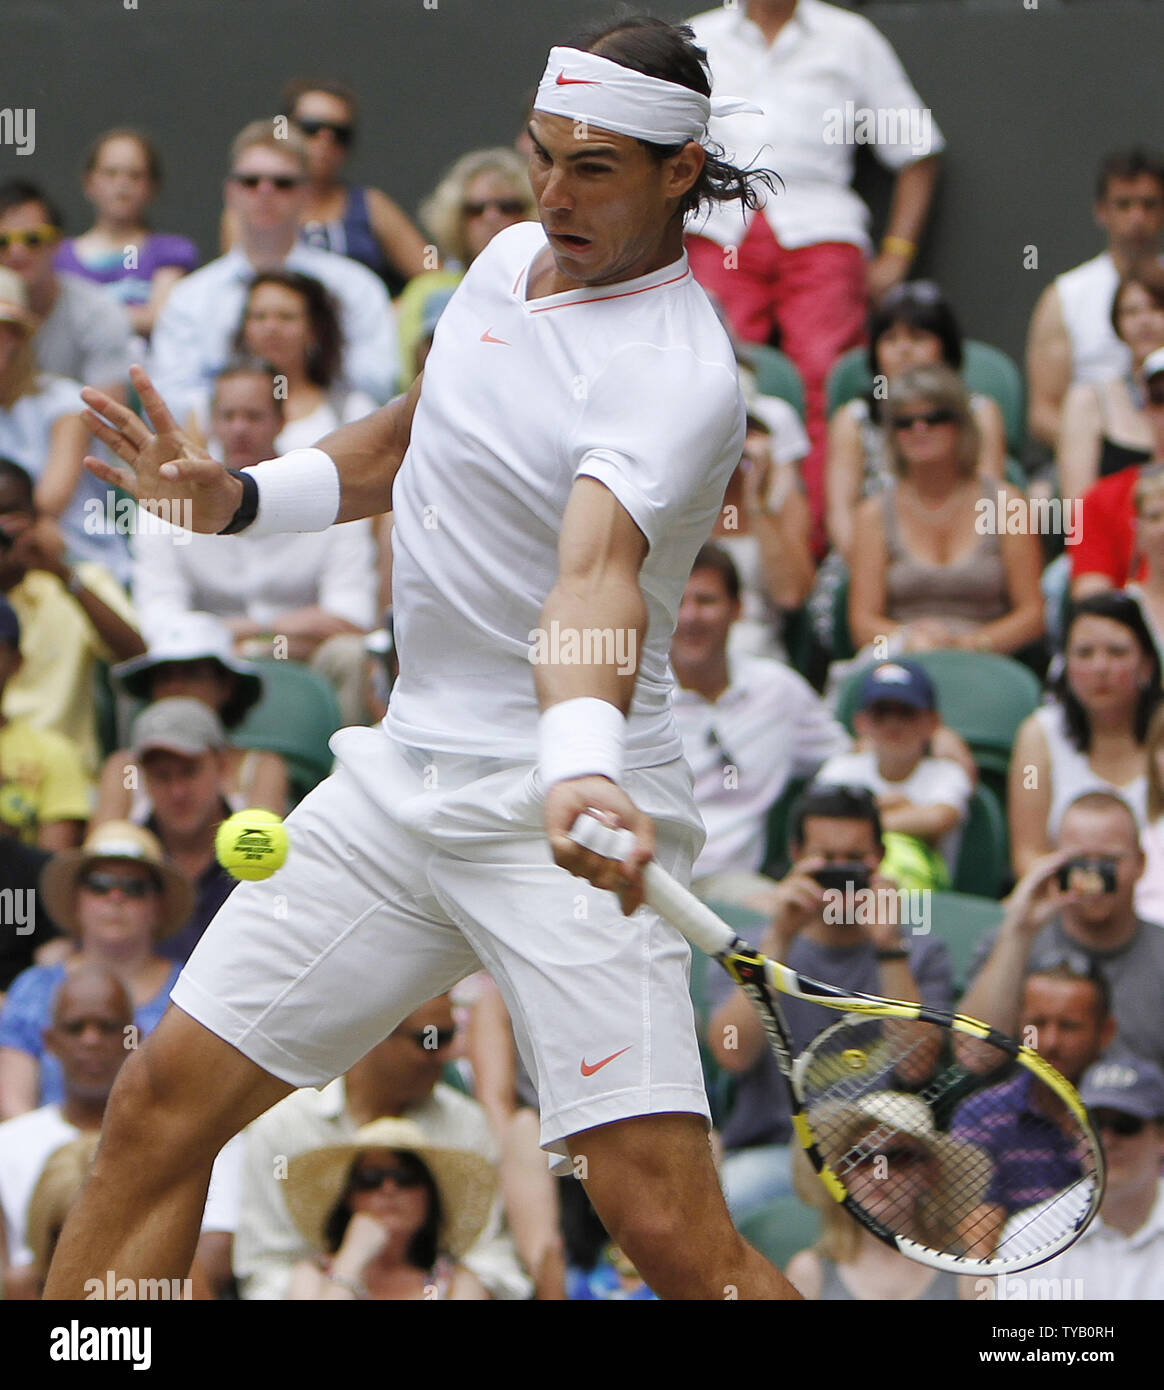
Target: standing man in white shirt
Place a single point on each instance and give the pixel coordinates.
(801, 267)
(552, 475)
(265, 191)
(1072, 337)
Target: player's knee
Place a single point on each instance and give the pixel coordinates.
(147, 1121)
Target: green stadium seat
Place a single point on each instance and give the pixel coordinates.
(986, 370)
(982, 696)
(960, 920)
(776, 862)
(780, 1229)
(983, 866)
(776, 374)
(296, 716)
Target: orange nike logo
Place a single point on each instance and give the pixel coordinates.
(563, 81)
(488, 337)
(588, 1070)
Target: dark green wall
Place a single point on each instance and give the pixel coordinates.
(1029, 100)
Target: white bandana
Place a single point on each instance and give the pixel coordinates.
(586, 87)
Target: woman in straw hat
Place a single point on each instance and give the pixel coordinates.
(116, 897)
(390, 1214)
(895, 1161)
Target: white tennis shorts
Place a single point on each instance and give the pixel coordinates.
(407, 871)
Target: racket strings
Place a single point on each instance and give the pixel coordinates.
(982, 1163)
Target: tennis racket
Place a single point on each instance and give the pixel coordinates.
(896, 1104)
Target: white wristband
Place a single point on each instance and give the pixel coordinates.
(298, 492)
(580, 738)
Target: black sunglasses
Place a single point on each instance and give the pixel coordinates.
(1126, 1126)
(370, 1179)
(104, 884)
(341, 131)
(928, 417)
(510, 207)
(283, 182)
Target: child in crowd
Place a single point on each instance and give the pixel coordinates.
(922, 800)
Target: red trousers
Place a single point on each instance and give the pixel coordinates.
(814, 296)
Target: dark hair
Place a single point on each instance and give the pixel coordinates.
(1150, 278)
(1117, 607)
(668, 51)
(14, 193)
(834, 803)
(300, 86)
(921, 305)
(1080, 969)
(754, 425)
(9, 468)
(1129, 164)
(325, 357)
(250, 366)
(241, 699)
(153, 156)
(424, 1246)
(716, 558)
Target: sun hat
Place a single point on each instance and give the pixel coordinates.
(115, 839)
(466, 1182)
(193, 637)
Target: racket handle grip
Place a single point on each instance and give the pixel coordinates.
(670, 900)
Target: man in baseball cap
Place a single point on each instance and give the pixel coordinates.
(178, 748)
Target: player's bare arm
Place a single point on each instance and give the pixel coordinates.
(600, 553)
(165, 464)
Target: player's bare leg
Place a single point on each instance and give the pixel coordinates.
(653, 1183)
(175, 1104)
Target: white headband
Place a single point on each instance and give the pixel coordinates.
(586, 87)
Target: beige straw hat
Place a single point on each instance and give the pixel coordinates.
(465, 1181)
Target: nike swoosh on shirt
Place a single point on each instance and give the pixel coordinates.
(563, 81)
(488, 337)
(588, 1070)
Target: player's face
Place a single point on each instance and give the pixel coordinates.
(1132, 213)
(88, 1034)
(1063, 1017)
(119, 184)
(276, 327)
(706, 614)
(607, 205)
(244, 420)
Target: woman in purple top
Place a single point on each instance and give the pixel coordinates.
(362, 223)
(139, 268)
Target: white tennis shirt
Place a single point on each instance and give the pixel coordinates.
(633, 384)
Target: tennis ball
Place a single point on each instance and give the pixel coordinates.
(251, 844)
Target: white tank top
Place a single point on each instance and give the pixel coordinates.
(1085, 296)
(1071, 773)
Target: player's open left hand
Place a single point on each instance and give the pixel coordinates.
(565, 802)
(166, 467)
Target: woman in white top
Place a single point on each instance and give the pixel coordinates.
(1093, 734)
(291, 322)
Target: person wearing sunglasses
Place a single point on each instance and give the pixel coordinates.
(390, 1213)
(479, 195)
(925, 573)
(265, 192)
(80, 334)
(117, 897)
(399, 1077)
(1121, 1254)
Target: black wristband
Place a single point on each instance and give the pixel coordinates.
(898, 953)
(248, 508)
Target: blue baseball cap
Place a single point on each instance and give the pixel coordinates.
(899, 682)
(9, 624)
(1128, 1084)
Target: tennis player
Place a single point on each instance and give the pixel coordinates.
(552, 477)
